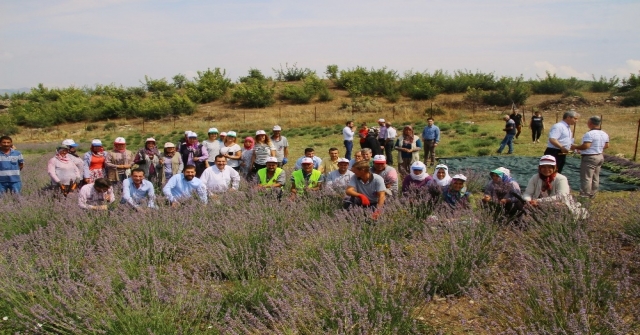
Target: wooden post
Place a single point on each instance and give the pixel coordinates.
(431, 112)
(142, 124)
(601, 119)
(635, 151)
(174, 122)
(556, 116)
(394, 113)
(244, 112)
(280, 113)
(315, 113)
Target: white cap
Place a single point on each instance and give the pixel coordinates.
(192, 134)
(343, 160)
(169, 145)
(277, 128)
(120, 140)
(260, 132)
(69, 143)
(231, 133)
(504, 170)
(213, 130)
(96, 143)
(379, 159)
(150, 139)
(272, 160)
(459, 177)
(418, 166)
(186, 132)
(381, 120)
(547, 160)
(307, 160)
(223, 134)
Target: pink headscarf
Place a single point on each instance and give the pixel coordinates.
(248, 143)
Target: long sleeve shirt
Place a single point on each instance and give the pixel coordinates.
(63, 172)
(431, 133)
(218, 181)
(88, 197)
(180, 188)
(134, 196)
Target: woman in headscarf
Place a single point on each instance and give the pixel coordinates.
(193, 153)
(362, 134)
(147, 159)
(63, 171)
(170, 163)
(247, 154)
(95, 162)
(119, 161)
(416, 180)
(502, 194)
(440, 179)
(455, 194)
(408, 146)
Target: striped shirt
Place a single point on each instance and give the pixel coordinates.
(597, 138)
(10, 166)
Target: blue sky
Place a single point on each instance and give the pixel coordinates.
(85, 42)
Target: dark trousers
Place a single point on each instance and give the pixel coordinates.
(518, 130)
(355, 201)
(536, 132)
(560, 158)
(348, 145)
(429, 151)
(388, 151)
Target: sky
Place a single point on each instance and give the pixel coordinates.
(61, 43)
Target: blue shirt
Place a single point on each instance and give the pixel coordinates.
(134, 196)
(316, 163)
(10, 166)
(431, 133)
(178, 187)
(561, 132)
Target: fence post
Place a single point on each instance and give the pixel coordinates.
(556, 116)
(142, 124)
(315, 113)
(244, 112)
(601, 119)
(635, 151)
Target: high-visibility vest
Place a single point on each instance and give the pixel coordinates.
(262, 174)
(298, 178)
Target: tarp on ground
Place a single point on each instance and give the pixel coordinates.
(522, 168)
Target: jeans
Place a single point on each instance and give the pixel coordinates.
(348, 145)
(508, 140)
(11, 187)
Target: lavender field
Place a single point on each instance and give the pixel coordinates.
(252, 265)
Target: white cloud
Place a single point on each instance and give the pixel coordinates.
(562, 71)
(631, 66)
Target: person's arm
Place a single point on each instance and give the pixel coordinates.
(286, 153)
(126, 193)
(139, 159)
(152, 197)
(606, 145)
(556, 143)
(382, 196)
(82, 198)
(180, 165)
(51, 170)
(171, 183)
(583, 146)
(236, 155)
(205, 154)
(253, 159)
(235, 179)
(293, 190)
(351, 191)
(437, 131)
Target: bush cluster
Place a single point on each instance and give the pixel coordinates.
(551, 84)
(311, 87)
(254, 91)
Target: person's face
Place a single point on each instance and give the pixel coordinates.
(170, 151)
(63, 152)
(213, 136)
(96, 149)
(189, 174)
(307, 167)
(407, 132)
(151, 145)
(334, 155)
(276, 133)
(547, 170)
(6, 144)
(417, 172)
(261, 138)
(271, 167)
(366, 156)
(430, 122)
(440, 174)
(222, 138)
(457, 185)
(350, 125)
(361, 173)
(358, 156)
(571, 120)
(381, 124)
(192, 140)
(229, 139)
(496, 179)
(120, 146)
(310, 154)
(342, 167)
(379, 167)
(221, 162)
(100, 189)
(72, 149)
(137, 177)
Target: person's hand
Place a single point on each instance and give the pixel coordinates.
(107, 197)
(127, 166)
(175, 204)
(365, 201)
(504, 201)
(100, 208)
(486, 198)
(564, 150)
(285, 161)
(533, 203)
(375, 215)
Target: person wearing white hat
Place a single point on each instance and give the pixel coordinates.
(339, 179)
(63, 172)
(231, 150)
(272, 177)
(455, 194)
(306, 179)
(382, 132)
(416, 181)
(171, 163)
(95, 159)
(212, 145)
(72, 146)
(119, 161)
(282, 145)
(148, 159)
(193, 153)
(220, 177)
(388, 174)
(262, 149)
(309, 153)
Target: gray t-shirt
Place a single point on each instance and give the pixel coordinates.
(339, 181)
(280, 145)
(390, 176)
(370, 188)
(213, 148)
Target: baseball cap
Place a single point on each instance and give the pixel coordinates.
(192, 134)
(186, 132)
(272, 160)
(150, 139)
(260, 132)
(69, 143)
(459, 177)
(231, 133)
(379, 159)
(213, 130)
(381, 120)
(277, 128)
(547, 160)
(169, 145)
(343, 160)
(418, 166)
(502, 171)
(120, 140)
(96, 143)
(306, 160)
(223, 134)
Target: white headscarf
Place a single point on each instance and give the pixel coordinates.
(444, 181)
(418, 166)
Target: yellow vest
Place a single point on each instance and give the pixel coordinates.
(262, 174)
(298, 178)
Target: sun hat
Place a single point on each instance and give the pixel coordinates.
(418, 166)
(186, 132)
(272, 160)
(150, 139)
(169, 145)
(96, 143)
(379, 159)
(231, 134)
(547, 160)
(260, 132)
(306, 160)
(381, 120)
(343, 160)
(120, 140)
(459, 177)
(192, 135)
(213, 130)
(69, 143)
(277, 128)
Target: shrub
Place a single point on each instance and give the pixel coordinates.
(91, 127)
(418, 87)
(181, 104)
(253, 73)
(109, 126)
(435, 111)
(360, 81)
(254, 94)
(7, 125)
(292, 73)
(508, 91)
(180, 81)
(332, 71)
(325, 95)
(208, 86)
(462, 80)
(106, 107)
(483, 152)
(603, 84)
(572, 93)
(630, 83)
(363, 104)
(549, 85)
(631, 98)
(158, 86)
(296, 94)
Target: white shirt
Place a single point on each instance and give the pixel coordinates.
(391, 133)
(218, 181)
(561, 132)
(597, 138)
(347, 133)
(336, 180)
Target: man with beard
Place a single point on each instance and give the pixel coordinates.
(135, 189)
(272, 177)
(182, 186)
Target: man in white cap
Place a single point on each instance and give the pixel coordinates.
(220, 178)
(339, 179)
(281, 144)
(382, 133)
(272, 177)
(119, 161)
(306, 179)
(388, 174)
(182, 186)
(212, 145)
(72, 146)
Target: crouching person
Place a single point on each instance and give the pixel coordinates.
(97, 195)
(135, 189)
(365, 189)
(182, 186)
(271, 179)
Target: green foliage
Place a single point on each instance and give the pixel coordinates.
(154, 108)
(292, 73)
(181, 104)
(630, 83)
(483, 152)
(362, 104)
(8, 125)
(474, 95)
(109, 126)
(332, 71)
(603, 84)
(417, 86)
(360, 81)
(158, 86)
(180, 81)
(554, 85)
(208, 86)
(253, 73)
(508, 91)
(462, 80)
(435, 111)
(46, 107)
(631, 98)
(572, 93)
(106, 107)
(312, 86)
(91, 127)
(254, 93)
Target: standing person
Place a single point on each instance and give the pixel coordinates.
(135, 189)
(220, 177)
(261, 151)
(231, 150)
(561, 138)
(339, 179)
(212, 145)
(372, 143)
(272, 177)
(362, 133)
(119, 161)
(593, 144)
(97, 195)
(73, 155)
(148, 159)
(63, 171)
(184, 139)
(382, 133)
(306, 179)
(536, 125)
(170, 163)
(510, 132)
(247, 155)
(430, 138)
(388, 174)
(365, 189)
(281, 144)
(95, 162)
(309, 153)
(517, 119)
(389, 141)
(409, 147)
(347, 136)
(182, 186)
(223, 137)
(194, 153)
(330, 164)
